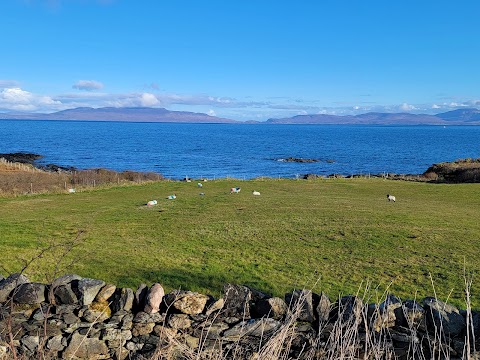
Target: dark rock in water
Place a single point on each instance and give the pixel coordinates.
(21, 157)
(299, 160)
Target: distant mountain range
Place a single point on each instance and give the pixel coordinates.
(454, 117)
(131, 114)
(469, 116)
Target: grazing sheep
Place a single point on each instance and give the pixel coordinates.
(256, 193)
(391, 198)
(171, 197)
(235, 190)
(199, 184)
(152, 203)
(71, 190)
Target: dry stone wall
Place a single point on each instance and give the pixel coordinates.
(82, 318)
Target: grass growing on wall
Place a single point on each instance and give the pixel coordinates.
(341, 231)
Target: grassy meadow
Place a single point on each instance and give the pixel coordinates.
(333, 235)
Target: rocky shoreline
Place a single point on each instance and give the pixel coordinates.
(459, 171)
(31, 159)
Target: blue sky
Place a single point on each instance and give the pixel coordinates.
(245, 60)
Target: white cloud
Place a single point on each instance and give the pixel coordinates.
(456, 104)
(407, 107)
(14, 98)
(129, 100)
(21, 100)
(87, 85)
(149, 100)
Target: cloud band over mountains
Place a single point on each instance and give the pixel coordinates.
(13, 98)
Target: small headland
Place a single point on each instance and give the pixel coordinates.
(303, 160)
(458, 171)
(454, 172)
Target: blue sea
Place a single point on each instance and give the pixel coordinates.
(242, 151)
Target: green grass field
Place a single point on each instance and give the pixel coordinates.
(342, 232)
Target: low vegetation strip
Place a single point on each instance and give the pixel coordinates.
(342, 231)
(19, 178)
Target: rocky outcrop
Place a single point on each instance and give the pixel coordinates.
(81, 318)
(21, 157)
(459, 171)
(298, 160)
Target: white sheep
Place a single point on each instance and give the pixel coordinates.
(71, 190)
(171, 197)
(152, 203)
(391, 198)
(235, 190)
(256, 193)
